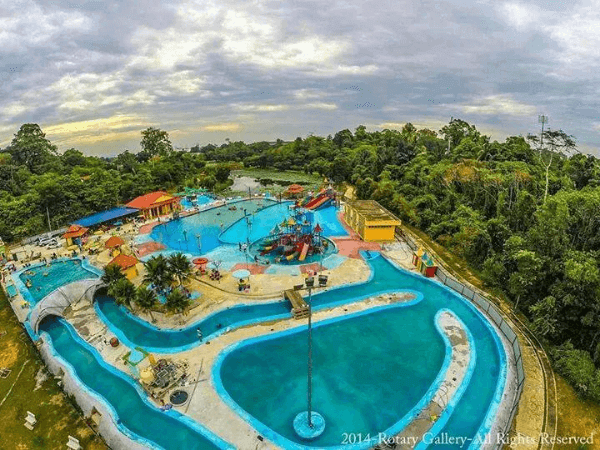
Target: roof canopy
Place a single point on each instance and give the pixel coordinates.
(295, 188)
(124, 261)
(105, 216)
(114, 241)
(75, 231)
(151, 200)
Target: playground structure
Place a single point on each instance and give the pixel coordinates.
(324, 198)
(424, 263)
(293, 239)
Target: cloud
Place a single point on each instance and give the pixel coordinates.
(498, 105)
(222, 127)
(520, 15)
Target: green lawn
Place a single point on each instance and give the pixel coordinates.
(291, 176)
(56, 415)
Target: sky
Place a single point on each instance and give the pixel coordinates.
(95, 73)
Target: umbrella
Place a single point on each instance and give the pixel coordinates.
(240, 274)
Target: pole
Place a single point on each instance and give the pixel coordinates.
(310, 424)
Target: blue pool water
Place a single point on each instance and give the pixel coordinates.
(182, 234)
(201, 200)
(134, 413)
(45, 279)
(418, 319)
(11, 290)
(263, 221)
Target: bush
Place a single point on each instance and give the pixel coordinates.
(578, 368)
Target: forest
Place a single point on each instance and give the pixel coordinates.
(524, 213)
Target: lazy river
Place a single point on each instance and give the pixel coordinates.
(353, 387)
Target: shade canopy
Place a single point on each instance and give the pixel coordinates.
(105, 216)
(114, 241)
(242, 273)
(75, 231)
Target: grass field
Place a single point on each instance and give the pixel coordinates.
(29, 387)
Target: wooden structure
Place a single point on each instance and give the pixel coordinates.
(299, 306)
(155, 204)
(128, 265)
(371, 220)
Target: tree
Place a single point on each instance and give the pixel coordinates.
(146, 300)
(30, 147)
(552, 144)
(222, 173)
(123, 291)
(158, 273)
(112, 274)
(177, 302)
(180, 267)
(155, 142)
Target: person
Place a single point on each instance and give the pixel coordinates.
(240, 246)
(256, 259)
(199, 333)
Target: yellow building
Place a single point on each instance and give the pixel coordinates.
(371, 220)
(128, 265)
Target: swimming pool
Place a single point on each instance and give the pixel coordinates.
(46, 278)
(369, 371)
(169, 430)
(199, 233)
(201, 200)
(472, 416)
(207, 230)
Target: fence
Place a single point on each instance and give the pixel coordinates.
(493, 314)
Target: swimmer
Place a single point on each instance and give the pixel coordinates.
(199, 333)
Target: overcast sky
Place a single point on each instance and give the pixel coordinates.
(94, 73)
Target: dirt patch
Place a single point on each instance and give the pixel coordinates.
(56, 399)
(9, 353)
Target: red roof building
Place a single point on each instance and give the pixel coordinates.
(155, 204)
(75, 231)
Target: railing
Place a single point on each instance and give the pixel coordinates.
(495, 316)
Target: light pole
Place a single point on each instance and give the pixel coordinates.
(309, 424)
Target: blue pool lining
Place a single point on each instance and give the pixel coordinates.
(502, 379)
(366, 444)
(451, 404)
(167, 350)
(196, 426)
(242, 218)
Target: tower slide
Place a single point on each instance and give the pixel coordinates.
(318, 201)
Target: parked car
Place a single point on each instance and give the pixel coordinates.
(47, 241)
(53, 243)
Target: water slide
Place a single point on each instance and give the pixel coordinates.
(291, 256)
(317, 202)
(303, 252)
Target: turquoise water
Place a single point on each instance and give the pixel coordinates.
(45, 279)
(201, 200)
(182, 234)
(134, 413)
(11, 290)
(369, 371)
(398, 331)
(263, 221)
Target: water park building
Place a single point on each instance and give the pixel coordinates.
(128, 265)
(371, 220)
(155, 204)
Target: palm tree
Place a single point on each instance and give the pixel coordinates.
(158, 272)
(177, 302)
(112, 274)
(123, 291)
(146, 300)
(180, 266)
